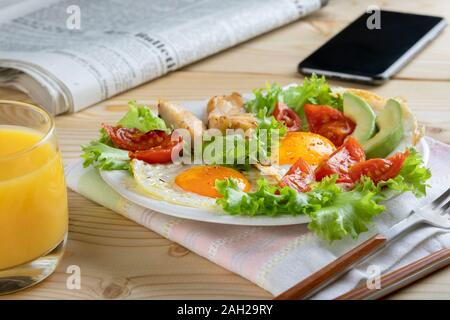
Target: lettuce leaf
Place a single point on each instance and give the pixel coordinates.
(412, 177)
(142, 118)
(105, 157)
(267, 200)
(232, 155)
(102, 154)
(344, 213)
(243, 158)
(264, 134)
(334, 212)
(313, 90)
(104, 138)
(265, 99)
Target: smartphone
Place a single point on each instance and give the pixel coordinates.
(373, 48)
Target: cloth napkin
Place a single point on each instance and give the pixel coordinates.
(276, 258)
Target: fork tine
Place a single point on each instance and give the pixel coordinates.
(445, 207)
(440, 199)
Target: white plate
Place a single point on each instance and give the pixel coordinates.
(124, 184)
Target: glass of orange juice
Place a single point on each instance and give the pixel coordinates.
(33, 197)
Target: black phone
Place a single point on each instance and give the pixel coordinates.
(373, 47)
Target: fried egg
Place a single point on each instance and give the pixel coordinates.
(201, 179)
(194, 185)
(188, 185)
(313, 148)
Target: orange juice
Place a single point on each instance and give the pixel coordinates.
(33, 199)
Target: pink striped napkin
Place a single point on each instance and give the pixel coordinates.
(276, 258)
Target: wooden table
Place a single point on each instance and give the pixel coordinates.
(120, 259)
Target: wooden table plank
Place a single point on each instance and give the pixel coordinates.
(120, 259)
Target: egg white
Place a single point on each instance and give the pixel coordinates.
(158, 181)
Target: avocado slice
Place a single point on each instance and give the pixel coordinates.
(362, 114)
(390, 125)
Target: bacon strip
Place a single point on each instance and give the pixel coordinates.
(134, 139)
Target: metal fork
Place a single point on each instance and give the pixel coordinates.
(436, 213)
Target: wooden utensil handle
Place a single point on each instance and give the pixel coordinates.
(338, 267)
(401, 277)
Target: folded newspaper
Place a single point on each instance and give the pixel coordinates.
(68, 55)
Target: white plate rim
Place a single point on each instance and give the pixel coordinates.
(119, 180)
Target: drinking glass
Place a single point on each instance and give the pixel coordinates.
(33, 197)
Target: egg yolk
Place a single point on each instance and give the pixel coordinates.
(201, 179)
(313, 148)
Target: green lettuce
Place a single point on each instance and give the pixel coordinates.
(102, 153)
(265, 99)
(104, 138)
(334, 212)
(314, 90)
(267, 200)
(413, 176)
(142, 118)
(267, 127)
(344, 213)
(242, 158)
(105, 157)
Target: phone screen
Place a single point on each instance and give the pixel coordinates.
(369, 50)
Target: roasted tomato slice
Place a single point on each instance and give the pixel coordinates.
(379, 169)
(336, 131)
(328, 122)
(159, 154)
(299, 176)
(318, 115)
(341, 160)
(288, 116)
(134, 139)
